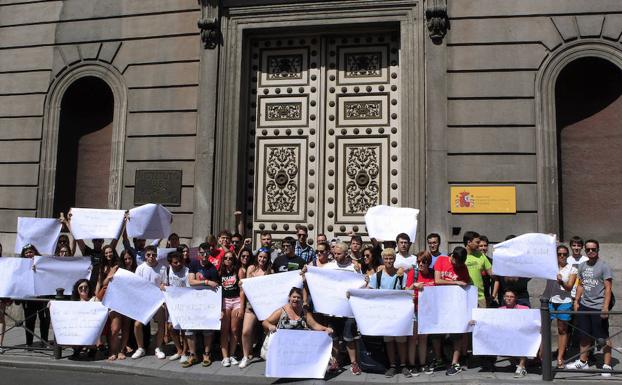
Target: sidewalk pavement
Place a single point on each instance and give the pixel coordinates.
(254, 373)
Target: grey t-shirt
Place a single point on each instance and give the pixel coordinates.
(593, 280)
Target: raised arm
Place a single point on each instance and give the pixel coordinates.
(80, 242)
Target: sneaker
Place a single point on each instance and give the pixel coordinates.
(244, 362)
(606, 367)
(226, 362)
(159, 354)
(183, 358)
(174, 357)
(520, 372)
(2, 350)
(192, 360)
(427, 369)
(578, 364)
(436, 363)
(233, 360)
(405, 372)
(355, 369)
(453, 370)
(390, 372)
(140, 352)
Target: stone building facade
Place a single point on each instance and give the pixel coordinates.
(312, 111)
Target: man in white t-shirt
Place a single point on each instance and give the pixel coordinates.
(404, 259)
(576, 258)
(154, 272)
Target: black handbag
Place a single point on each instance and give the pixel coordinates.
(372, 354)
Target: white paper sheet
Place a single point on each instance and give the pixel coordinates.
(446, 309)
(16, 278)
(133, 296)
(380, 312)
(506, 332)
(328, 289)
(298, 354)
(530, 255)
(385, 222)
(96, 223)
(150, 221)
(55, 272)
(192, 309)
(269, 292)
(77, 322)
(41, 232)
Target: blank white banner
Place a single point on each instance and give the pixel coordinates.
(446, 309)
(16, 278)
(298, 354)
(77, 322)
(374, 309)
(41, 232)
(328, 289)
(52, 273)
(386, 222)
(530, 255)
(270, 292)
(192, 309)
(133, 296)
(150, 221)
(506, 332)
(96, 223)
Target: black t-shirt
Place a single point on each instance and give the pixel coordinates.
(284, 263)
(517, 285)
(230, 285)
(203, 272)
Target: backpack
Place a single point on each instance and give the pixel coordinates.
(399, 279)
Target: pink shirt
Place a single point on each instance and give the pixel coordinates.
(517, 306)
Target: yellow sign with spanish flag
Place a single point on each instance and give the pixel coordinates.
(483, 199)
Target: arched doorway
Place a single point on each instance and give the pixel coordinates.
(84, 145)
(588, 105)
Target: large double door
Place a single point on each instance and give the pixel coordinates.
(323, 125)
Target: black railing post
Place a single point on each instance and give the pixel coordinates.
(58, 350)
(547, 369)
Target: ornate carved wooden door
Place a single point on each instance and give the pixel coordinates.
(323, 126)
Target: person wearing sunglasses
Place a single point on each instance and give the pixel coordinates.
(230, 277)
(322, 255)
(594, 293)
(560, 299)
(302, 248)
(288, 261)
(83, 291)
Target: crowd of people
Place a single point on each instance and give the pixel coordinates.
(584, 282)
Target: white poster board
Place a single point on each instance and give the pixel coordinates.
(328, 289)
(163, 253)
(41, 232)
(51, 273)
(506, 332)
(16, 278)
(133, 296)
(270, 292)
(192, 309)
(385, 222)
(96, 223)
(150, 221)
(77, 322)
(374, 309)
(298, 354)
(446, 309)
(530, 255)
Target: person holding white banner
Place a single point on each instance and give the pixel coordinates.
(260, 268)
(34, 309)
(177, 276)
(452, 270)
(154, 272)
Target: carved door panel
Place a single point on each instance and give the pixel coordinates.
(323, 125)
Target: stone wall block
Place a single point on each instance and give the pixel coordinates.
(612, 29)
(89, 51)
(567, 27)
(590, 25)
(475, 168)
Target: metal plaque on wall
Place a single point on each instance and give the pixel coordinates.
(158, 186)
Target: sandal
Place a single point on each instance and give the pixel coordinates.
(560, 364)
(121, 356)
(206, 362)
(191, 361)
(112, 358)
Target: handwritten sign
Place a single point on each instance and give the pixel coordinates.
(506, 332)
(53, 273)
(77, 322)
(96, 223)
(192, 309)
(328, 289)
(383, 312)
(386, 222)
(270, 292)
(446, 309)
(530, 255)
(298, 354)
(133, 296)
(41, 232)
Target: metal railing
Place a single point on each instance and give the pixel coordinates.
(548, 370)
(21, 323)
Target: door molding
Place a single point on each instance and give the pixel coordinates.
(238, 24)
